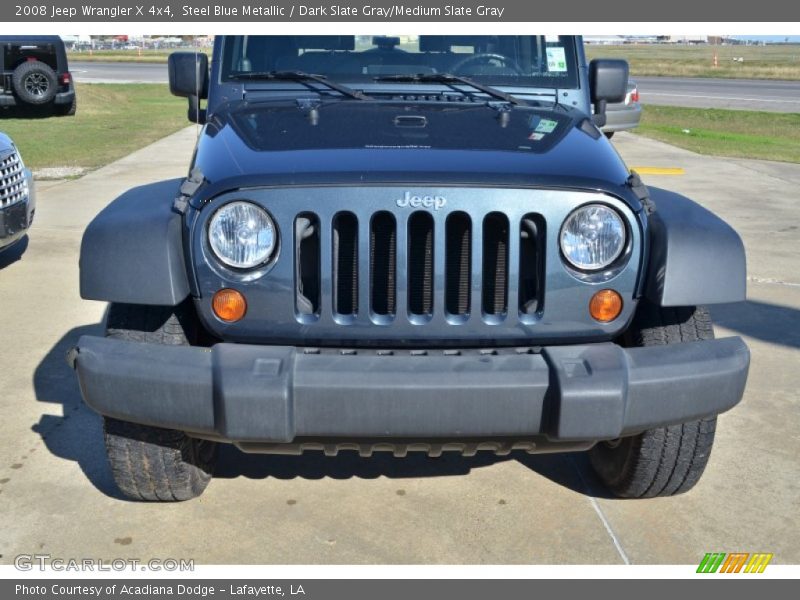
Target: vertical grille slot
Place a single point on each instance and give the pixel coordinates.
(307, 264)
(458, 257)
(383, 263)
(345, 264)
(420, 264)
(495, 264)
(531, 264)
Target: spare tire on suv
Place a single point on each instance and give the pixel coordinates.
(35, 82)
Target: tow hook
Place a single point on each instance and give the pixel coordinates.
(72, 356)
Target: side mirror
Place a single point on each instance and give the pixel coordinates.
(188, 78)
(608, 82)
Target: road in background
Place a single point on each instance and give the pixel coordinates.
(741, 94)
(772, 96)
(118, 72)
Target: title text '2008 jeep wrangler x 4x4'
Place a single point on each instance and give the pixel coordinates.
(410, 243)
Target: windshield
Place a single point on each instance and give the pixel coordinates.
(513, 60)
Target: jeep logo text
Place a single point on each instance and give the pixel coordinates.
(409, 201)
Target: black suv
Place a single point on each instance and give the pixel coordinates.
(407, 244)
(36, 74)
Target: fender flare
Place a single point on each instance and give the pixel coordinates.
(132, 251)
(696, 258)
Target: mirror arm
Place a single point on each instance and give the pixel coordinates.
(195, 114)
(599, 116)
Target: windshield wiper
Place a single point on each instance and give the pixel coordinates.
(301, 77)
(450, 79)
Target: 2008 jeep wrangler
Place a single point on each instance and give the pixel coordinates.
(407, 243)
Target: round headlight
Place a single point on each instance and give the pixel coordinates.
(242, 235)
(592, 237)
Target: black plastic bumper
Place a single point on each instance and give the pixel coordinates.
(269, 394)
(61, 98)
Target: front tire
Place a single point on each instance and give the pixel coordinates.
(151, 463)
(664, 461)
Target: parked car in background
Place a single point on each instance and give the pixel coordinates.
(17, 200)
(623, 115)
(35, 75)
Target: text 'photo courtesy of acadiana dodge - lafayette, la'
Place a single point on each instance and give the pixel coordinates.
(394, 11)
(147, 589)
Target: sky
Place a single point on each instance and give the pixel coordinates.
(768, 38)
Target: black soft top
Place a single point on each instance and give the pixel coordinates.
(8, 42)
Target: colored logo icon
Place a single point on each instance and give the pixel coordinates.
(735, 562)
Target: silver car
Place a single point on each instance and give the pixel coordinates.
(623, 115)
(17, 201)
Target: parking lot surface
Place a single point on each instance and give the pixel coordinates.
(57, 495)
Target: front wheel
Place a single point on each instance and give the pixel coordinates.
(664, 461)
(152, 463)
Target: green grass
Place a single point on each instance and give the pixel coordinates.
(733, 133)
(112, 121)
(780, 61)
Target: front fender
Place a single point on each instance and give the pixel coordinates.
(132, 251)
(695, 257)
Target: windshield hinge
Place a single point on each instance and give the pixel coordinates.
(642, 193)
(188, 188)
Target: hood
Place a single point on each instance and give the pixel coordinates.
(351, 141)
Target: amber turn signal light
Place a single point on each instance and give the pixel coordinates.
(229, 305)
(605, 306)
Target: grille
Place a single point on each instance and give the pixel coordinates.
(383, 264)
(389, 267)
(13, 186)
(420, 264)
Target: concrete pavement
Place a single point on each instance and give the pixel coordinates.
(57, 496)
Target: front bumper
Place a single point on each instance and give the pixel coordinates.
(276, 395)
(15, 220)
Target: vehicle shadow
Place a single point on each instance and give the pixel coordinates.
(571, 470)
(77, 434)
(347, 464)
(14, 252)
(763, 321)
(27, 112)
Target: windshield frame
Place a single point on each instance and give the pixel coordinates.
(231, 49)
